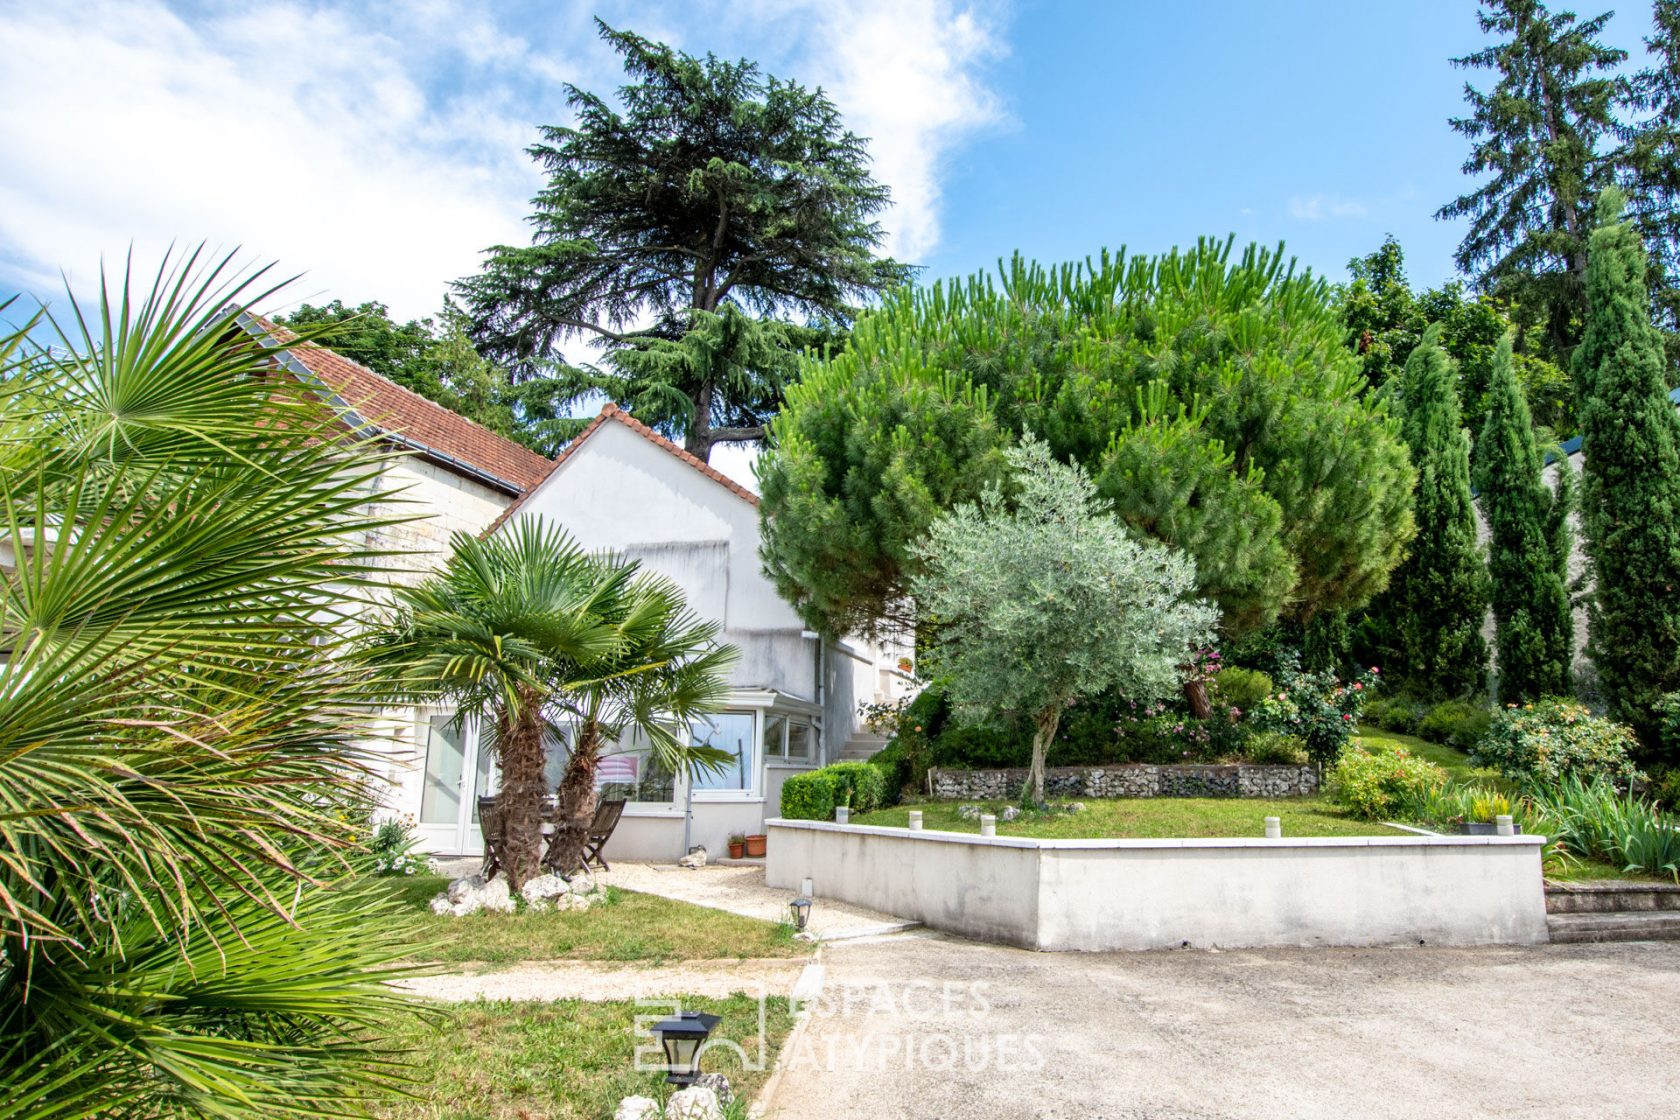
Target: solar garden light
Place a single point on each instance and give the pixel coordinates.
(1274, 828)
(988, 824)
(801, 908)
(915, 820)
(842, 814)
(682, 1037)
(1503, 826)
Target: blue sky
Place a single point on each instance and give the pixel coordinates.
(376, 147)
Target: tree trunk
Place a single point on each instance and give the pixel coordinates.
(519, 804)
(1044, 732)
(1196, 693)
(577, 801)
(699, 440)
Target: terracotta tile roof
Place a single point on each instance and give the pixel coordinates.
(611, 411)
(445, 437)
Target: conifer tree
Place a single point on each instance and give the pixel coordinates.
(1630, 442)
(1538, 137)
(1652, 162)
(1530, 597)
(1441, 588)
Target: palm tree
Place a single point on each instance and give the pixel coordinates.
(182, 535)
(527, 629)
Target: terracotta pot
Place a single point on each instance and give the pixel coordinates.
(736, 849)
(755, 845)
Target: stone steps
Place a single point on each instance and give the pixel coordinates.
(1612, 910)
(861, 748)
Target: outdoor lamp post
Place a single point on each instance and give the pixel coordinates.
(801, 908)
(681, 1037)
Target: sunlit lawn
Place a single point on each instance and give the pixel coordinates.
(628, 926)
(1151, 817)
(565, 1060)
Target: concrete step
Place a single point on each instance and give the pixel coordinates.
(860, 748)
(1649, 925)
(1608, 896)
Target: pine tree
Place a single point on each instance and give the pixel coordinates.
(1652, 162)
(1538, 133)
(1535, 631)
(1441, 589)
(1630, 442)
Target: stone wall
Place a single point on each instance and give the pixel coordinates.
(1136, 780)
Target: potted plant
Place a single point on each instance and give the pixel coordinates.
(1484, 810)
(737, 845)
(755, 845)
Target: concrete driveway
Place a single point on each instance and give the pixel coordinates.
(936, 1027)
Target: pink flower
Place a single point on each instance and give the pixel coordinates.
(1357, 687)
(1348, 718)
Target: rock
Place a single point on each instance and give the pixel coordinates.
(584, 883)
(637, 1108)
(540, 893)
(694, 860)
(693, 1103)
(718, 1084)
(472, 894)
(968, 812)
(1076, 807)
(1009, 814)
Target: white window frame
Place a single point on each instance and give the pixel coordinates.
(740, 796)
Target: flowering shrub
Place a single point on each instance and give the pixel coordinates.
(392, 845)
(1320, 709)
(1387, 785)
(1549, 739)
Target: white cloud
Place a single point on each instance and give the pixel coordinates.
(1324, 207)
(300, 134)
(378, 149)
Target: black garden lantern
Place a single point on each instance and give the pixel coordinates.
(801, 908)
(681, 1037)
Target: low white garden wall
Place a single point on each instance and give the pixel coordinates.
(1159, 894)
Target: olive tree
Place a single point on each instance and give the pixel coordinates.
(1040, 596)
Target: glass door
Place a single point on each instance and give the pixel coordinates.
(456, 772)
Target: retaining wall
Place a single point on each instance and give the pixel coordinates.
(1157, 894)
(1131, 780)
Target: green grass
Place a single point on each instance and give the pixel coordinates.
(628, 926)
(1455, 762)
(564, 1060)
(1150, 817)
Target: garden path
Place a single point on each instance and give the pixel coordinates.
(740, 889)
(598, 980)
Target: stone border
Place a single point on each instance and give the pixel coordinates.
(1202, 892)
(1240, 779)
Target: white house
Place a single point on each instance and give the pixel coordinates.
(618, 486)
(794, 697)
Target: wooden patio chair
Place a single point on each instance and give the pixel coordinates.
(489, 824)
(600, 831)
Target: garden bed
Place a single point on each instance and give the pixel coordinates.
(1147, 818)
(628, 926)
(563, 1060)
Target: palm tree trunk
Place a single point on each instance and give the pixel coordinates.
(577, 801)
(520, 802)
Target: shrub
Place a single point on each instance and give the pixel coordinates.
(860, 787)
(393, 847)
(1322, 710)
(808, 796)
(1552, 738)
(1453, 804)
(1240, 688)
(1665, 789)
(1395, 713)
(1275, 748)
(893, 761)
(1385, 785)
(1591, 817)
(1456, 723)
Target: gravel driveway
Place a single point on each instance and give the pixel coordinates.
(934, 1026)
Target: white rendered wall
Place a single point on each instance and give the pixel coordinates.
(1158, 894)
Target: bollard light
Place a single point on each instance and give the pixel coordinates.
(915, 820)
(801, 908)
(988, 824)
(1274, 828)
(842, 814)
(682, 1037)
(1503, 826)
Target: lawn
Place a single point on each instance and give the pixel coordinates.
(628, 926)
(1455, 762)
(1151, 817)
(565, 1060)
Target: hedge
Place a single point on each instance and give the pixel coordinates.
(813, 795)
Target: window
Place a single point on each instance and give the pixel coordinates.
(787, 739)
(801, 741)
(626, 769)
(732, 733)
(446, 757)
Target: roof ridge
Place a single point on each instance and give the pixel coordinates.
(611, 411)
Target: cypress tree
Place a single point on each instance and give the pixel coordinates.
(1534, 630)
(1630, 441)
(1441, 589)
